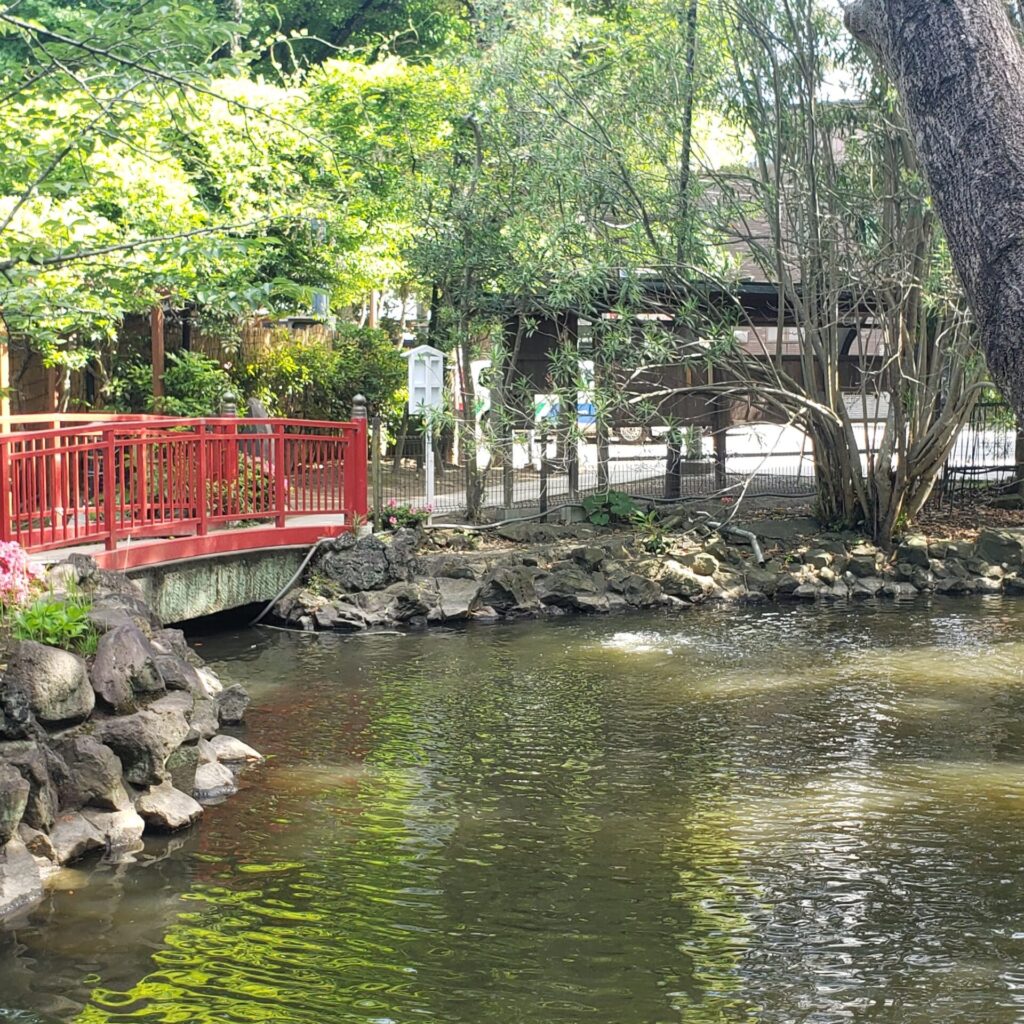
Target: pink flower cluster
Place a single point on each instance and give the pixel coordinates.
(17, 575)
(400, 514)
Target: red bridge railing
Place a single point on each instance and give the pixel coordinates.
(179, 487)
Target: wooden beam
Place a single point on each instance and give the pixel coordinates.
(5, 386)
(156, 335)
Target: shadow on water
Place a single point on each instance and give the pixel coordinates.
(774, 815)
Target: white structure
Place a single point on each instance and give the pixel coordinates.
(426, 397)
(426, 380)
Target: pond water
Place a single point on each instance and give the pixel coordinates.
(773, 815)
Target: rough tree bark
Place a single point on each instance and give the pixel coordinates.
(959, 70)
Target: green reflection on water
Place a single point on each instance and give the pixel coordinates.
(764, 817)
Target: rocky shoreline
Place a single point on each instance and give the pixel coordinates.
(96, 752)
(415, 579)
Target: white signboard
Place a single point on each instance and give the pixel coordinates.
(426, 380)
(426, 395)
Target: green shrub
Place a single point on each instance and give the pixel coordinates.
(313, 380)
(609, 507)
(57, 622)
(194, 385)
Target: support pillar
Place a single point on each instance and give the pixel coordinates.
(156, 336)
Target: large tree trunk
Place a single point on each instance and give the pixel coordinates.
(959, 69)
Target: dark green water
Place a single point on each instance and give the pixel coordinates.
(748, 816)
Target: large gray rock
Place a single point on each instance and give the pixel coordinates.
(406, 601)
(94, 775)
(231, 750)
(144, 741)
(125, 666)
(409, 602)
(1001, 547)
(33, 763)
(819, 558)
(702, 563)
(16, 721)
(342, 616)
(55, 682)
(370, 563)
(914, 551)
(20, 881)
(73, 836)
(214, 781)
(179, 700)
(107, 619)
(1014, 584)
(232, 703)
(867, 586)
(37, 843)
(681, 581)
(120, 830)
(182, 766)
(457, 599)
(402, 553)
(171, 641)
(127, 603)
(764, 581)
(589, 556)
(13, 798)
(209, 682)
(637, 591)
(370, 608)
(510, 591)
(166, 809)
(572, 587)
(865, 561)
(205, 719)
(179, 674)
(449, 566)
(955, 585)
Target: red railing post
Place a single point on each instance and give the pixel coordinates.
(358, 499)
(280, 475)
(361, 497)
(7, 484)
(202, 495)
(109, 486)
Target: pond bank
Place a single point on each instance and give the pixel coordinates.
(418, 578)
(96, 751)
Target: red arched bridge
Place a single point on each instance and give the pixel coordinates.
(141, 490)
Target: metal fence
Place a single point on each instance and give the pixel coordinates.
(542, 470)
(984, 457)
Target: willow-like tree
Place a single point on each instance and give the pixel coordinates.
(832, 209)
